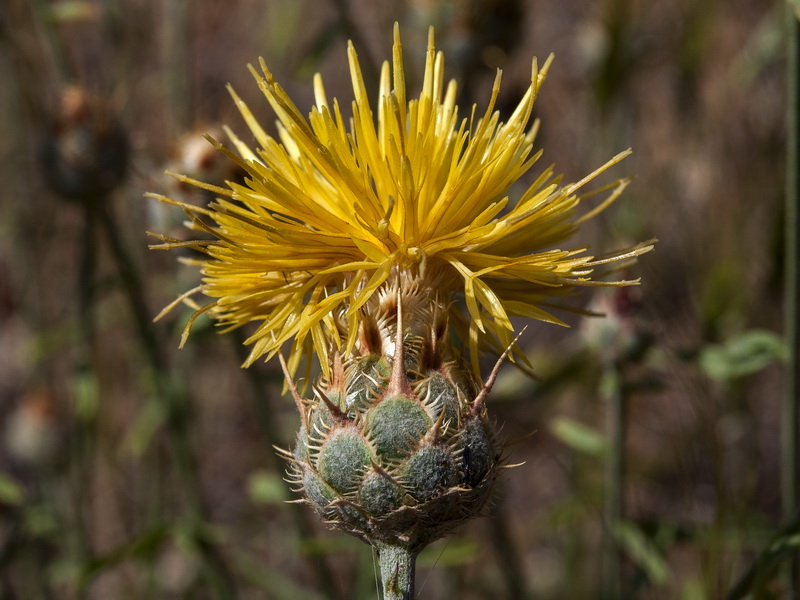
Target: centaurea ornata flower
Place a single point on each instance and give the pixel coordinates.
(386, 244)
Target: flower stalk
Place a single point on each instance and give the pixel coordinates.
(398, 572)
(613, 503)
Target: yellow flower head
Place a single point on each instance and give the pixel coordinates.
(336, 212)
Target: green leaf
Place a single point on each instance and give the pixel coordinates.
(579, 436)
(742, 355)
(694, 589)
(643, 552)
(65, 13)
(266, 488)
(87, 396)
(40, 522)
(10, 490)
(148, 422)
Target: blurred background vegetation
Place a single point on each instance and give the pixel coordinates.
(650, 439)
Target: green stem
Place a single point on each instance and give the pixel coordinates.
(397, 571)
(791, 409)
(614, 479)
(132, 285)
(178, 406)
(82, 446)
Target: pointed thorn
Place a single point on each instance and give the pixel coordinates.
(301, 407)
(480, 401)
(398, 384)
(433, 433)
(284, 453)
(514, 466)
(382, 472)
(335, 410)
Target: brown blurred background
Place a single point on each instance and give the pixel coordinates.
(132, 470)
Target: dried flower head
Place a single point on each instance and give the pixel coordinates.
(339, 214)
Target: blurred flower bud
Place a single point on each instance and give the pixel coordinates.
(84, 152)
(196, 157)
(33, 436)
(620, 334)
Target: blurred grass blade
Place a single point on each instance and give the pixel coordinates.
(782, 546)
(10, 490)
(643, 552)
(791, 408)
(579, 437)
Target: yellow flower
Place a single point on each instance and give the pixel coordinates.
(337, 210)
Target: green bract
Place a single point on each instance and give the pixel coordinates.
(397, 449)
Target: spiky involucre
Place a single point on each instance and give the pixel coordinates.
(396, 446)
(337, 210)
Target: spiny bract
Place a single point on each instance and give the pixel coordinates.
(396, 447)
